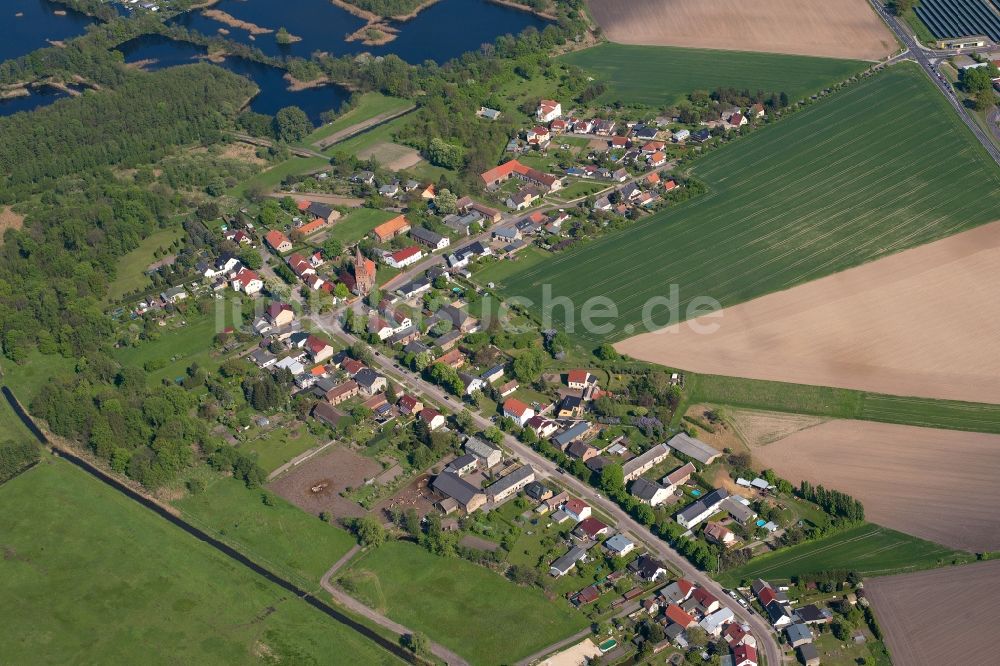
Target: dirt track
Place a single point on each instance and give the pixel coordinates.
(945, 616)
(939, 485)
(919, 323)
(842, 29)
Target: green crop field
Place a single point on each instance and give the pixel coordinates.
(868, 549)
(879, 167)
(93, 577)
(843, 403)
(466, 607)
(662, 75)
(279, 535)
(951, 414)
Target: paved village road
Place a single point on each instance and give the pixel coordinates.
(545, 467)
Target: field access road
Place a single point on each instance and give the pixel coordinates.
(352, 604)
(298, 151)
(545, 467)
(920, 55)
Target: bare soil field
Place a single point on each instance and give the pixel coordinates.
(319, 197)
(316, 485)
(415, 495)
(918, 323)
(844, 29)
(939, 485)
(757, 428)
(391, 155)
(938, 617)
(9, 220)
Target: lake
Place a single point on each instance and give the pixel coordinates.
(445, 30)
(274, 93)
(28, 24)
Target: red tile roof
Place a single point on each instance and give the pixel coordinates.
(591, 527)
(407, 403)
(245, 277)
(393, 227)
(744, 653)
(275, 238)
(704, 597)
(575, 506)
(315, 344)
(405, 253)
(577, 377)
(676, 615)
(353, 366)
(311, 227)
(428, 414)
(515, 407)
(766, 596)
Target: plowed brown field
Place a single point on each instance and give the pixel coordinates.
(923, 322)
(842, 29)
(944, 616)
(939, 485)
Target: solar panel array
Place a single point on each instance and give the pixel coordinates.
(961, 18)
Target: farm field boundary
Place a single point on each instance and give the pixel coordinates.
(874, 169)
(867, 549)
(951, 628)
(842, 403)
(845, 29)
(662, 75)
(914, 323)
(911, 479)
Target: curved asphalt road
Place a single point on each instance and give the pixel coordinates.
(921, 55)
(544, 467)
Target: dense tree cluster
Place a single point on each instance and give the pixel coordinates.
(149, 434)
(833, 502)
(141, 120)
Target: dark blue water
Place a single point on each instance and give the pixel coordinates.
(443, 31)
(38, 97)
(274, 93)
(37, 23)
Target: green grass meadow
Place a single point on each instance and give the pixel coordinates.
(662, 75)
(868, 549)
(357, 223)
(93, 577)
(132, 267)
(368, 106)
(466, 607)
(879, 167)
(280, 535)
(272, 178)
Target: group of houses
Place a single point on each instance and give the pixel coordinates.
(795, 623)
(467, 483)
(682, 605)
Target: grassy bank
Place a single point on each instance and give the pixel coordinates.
(100, 579)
